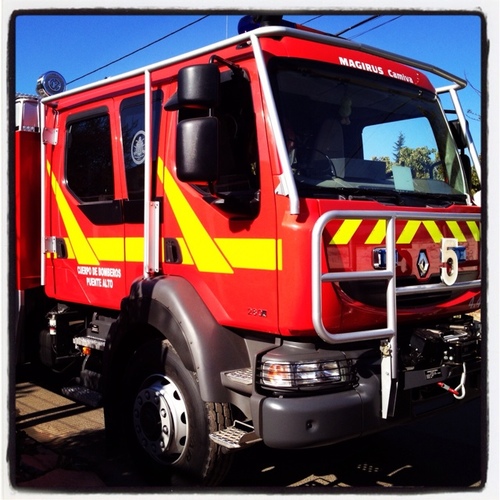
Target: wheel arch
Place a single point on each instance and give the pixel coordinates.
(171, 307)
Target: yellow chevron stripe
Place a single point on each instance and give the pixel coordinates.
(134, 249)
(409, 231)
(206, 255)
(474, 229)
(217, 255)
(186, 256)
(346, 232)
(249, 253)
(456, 230)
(81, 247)
(377, 235)
(110, 249)
(349, 227)
(280, 255)
(433, 230)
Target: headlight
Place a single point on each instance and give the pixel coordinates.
(296, 374)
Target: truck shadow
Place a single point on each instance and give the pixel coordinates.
(440, 452)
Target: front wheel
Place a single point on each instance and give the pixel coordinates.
(168, 425)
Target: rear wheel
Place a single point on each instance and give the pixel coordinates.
(168, 424)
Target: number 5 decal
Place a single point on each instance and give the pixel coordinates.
(449, 261)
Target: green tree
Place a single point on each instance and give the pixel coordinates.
(398, 146)
(476, 184)
(423, 161)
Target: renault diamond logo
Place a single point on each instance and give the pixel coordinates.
(422, 263)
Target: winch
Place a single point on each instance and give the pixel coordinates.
(446, 344)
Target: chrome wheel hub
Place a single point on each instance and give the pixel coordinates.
(160, 419)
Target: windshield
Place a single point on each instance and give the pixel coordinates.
(358, 134)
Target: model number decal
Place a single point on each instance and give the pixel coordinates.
(261, 313)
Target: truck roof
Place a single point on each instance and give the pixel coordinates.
(269, 32)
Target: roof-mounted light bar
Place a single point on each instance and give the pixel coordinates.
(250, 23)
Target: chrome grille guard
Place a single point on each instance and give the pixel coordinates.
(388, 334)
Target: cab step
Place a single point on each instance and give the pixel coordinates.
(239, 380)
(239, 435)
(83, 395)
(241, 376)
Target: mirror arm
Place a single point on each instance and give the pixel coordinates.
(233, 67)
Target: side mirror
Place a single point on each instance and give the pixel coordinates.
(466, 163)
(458, 134)
(197, 87)
(197, 150)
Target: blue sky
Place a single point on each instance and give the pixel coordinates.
(75, 44)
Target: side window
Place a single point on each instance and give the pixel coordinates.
(239, 165)
(89, 162)
(134, 141)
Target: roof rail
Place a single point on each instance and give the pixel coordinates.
(271, 31)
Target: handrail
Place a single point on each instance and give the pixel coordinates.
(287, 182)
(389, 274)
(148, 265)
(43, 174)
(269, 31)
(465, 128)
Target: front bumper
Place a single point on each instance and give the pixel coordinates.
(318, 419)
(324, 419)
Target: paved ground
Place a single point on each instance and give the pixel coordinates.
(60, 444)
(60, 447)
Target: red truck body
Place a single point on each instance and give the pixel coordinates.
(220, 245)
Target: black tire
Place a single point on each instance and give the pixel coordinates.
(168, 424)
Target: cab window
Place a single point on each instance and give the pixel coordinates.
(89, 162)
(134, 141)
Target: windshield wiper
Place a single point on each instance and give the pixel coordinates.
(408, 198)
(350, 193)
(387, 196)
(437, 199)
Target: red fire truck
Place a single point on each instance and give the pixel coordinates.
(216, 250)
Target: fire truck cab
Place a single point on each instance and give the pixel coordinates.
(226, 255)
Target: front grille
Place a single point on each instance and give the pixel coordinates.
(373, 293)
